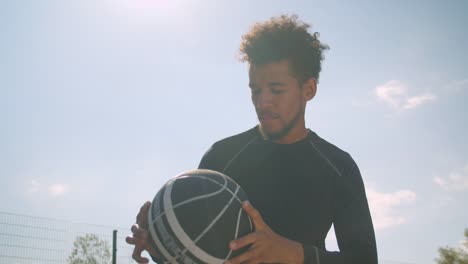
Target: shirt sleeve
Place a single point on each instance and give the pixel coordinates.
(352, 222)
(207, 159)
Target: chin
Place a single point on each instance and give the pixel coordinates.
(273, 134)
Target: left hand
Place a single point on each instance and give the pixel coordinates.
(265, 245)
(140, 236)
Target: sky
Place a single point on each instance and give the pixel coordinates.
(103, 101)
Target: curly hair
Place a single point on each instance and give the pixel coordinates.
(284, 37)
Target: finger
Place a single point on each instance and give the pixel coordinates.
(137, 256)
(139, 241)
(143, 210)
(140, 233)
(134, 228)
(130, 240)
(142, 216)
(254, 215)
(252, 261)
(247, 256)
(243, 241)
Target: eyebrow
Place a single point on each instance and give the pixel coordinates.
(276, 84)
(252, 85)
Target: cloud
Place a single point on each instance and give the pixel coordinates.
(395, 94)
(455, 181)
(391, 92)
(416, 101)
(57, 189)
(52, 190)
(383, 207)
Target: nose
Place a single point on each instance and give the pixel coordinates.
(263, 100)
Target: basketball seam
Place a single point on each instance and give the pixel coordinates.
(182, 236)
(236, 233)
(200, 172)
(217, 217)
(223, 187)
(161, 247)
(213, 222)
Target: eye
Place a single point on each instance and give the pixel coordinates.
(277, 91)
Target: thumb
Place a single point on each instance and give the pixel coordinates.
(255, 216)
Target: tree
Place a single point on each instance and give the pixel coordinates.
(448, 255)
(90, 249)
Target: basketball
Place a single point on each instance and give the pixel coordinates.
(195, 215)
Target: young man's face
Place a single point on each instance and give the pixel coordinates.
(279, 100)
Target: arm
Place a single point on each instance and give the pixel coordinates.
(352, 222)
(268, 247)
(353, 228)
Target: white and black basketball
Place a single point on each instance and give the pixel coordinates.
(194, 217)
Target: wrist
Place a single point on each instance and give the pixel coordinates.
(297, 253)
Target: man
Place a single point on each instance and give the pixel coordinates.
(298, 184)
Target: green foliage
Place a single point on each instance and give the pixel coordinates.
(90, 249)
(448, 255)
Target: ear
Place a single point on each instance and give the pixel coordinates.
(309, 89)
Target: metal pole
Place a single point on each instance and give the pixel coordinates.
(114, 247)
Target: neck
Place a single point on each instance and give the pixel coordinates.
(294, 135)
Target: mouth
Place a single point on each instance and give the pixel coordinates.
(267, 116)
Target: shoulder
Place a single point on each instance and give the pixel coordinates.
(223, 150)
(348, 182)
(238, 140)
(335, 156)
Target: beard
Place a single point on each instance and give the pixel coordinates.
(285, 130)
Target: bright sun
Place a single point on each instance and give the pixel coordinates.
(147, 6)
(144, 13)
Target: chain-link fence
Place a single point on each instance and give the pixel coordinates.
(37, 240)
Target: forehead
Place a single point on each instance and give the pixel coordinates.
(273, 70)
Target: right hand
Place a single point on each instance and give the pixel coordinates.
(140, 236)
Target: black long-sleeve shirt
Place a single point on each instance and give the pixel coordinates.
(300, 190)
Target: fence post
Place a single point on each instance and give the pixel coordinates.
(114, 247)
